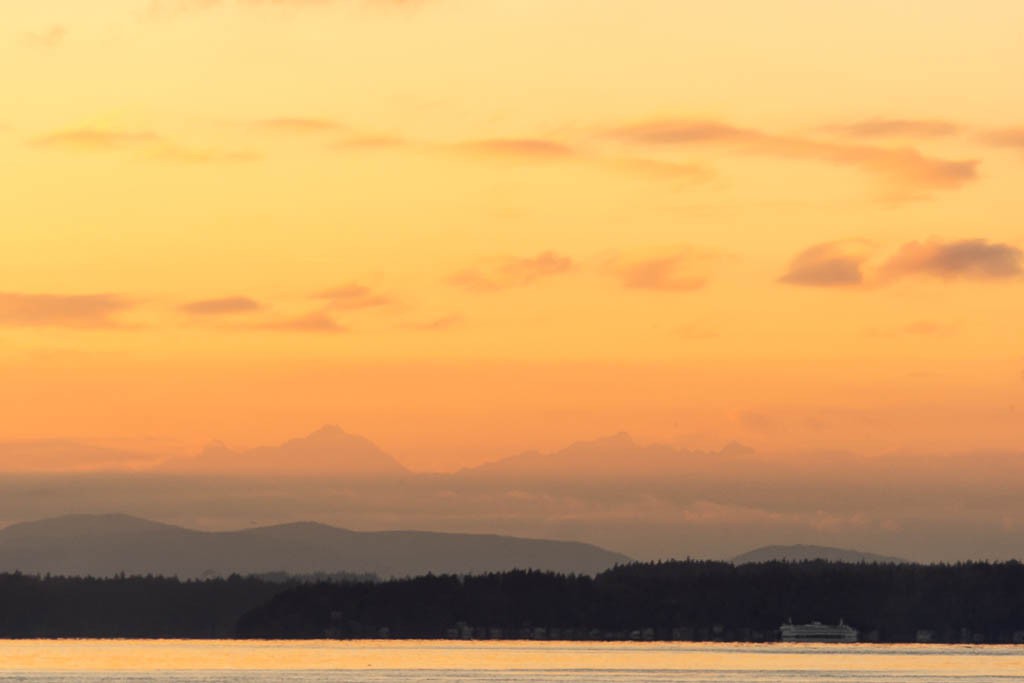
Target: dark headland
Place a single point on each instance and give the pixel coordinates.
(689, 600)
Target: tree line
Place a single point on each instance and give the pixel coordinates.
(689, 600)
(685, 600)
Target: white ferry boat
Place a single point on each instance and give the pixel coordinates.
(817, 632)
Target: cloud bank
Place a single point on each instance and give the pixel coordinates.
(843, 264)
(974, 259)
(832, 264)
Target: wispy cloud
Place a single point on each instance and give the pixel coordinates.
(436, 325)
(227, 306)
(680, 270)
(96, 139)
(1006, 137)
(61, 310)
(906, 168)
(146, 144)
(354, 296)
(895, 128)
(519, 148)
(317, 323)
(512, 272)
(544, 150)
(974, 259)
(918, 328)
(833, 264)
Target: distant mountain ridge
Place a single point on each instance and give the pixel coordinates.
(614, 456)
(328, 450)
(331, 451)
(800, 553)
(105, 545)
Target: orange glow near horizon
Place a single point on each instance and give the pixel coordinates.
(452, 656)
(464, 229)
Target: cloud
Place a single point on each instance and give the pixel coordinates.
(96, 139)
(843, 264)
(354, 296)
(905, 167)
(226, 306)
(833, 264)
(319, 323)
(974, 259)
(1007, 137)
(299, 125)
(50, 38)
(61, 310)
(546, 150)
(150, 146)
(895, 128)
(684, 270)
(513, 272)
(437, 325)
(519, 148)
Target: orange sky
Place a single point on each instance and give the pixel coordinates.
(464, 228)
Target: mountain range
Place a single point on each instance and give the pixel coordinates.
(332, 451)
(650, 501)
(328, 450)
(105, 545)
(611, 456)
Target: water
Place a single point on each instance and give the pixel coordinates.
(89, 661)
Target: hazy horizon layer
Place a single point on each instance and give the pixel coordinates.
(648, 501)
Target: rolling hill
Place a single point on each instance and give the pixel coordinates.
(105, 545)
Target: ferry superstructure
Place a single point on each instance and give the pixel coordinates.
(817, 632)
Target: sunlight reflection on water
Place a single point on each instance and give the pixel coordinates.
(52, 661)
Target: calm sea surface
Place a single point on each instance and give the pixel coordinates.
(508, 662)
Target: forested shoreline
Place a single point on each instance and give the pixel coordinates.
(687, 600)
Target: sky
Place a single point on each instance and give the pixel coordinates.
(470, 228)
